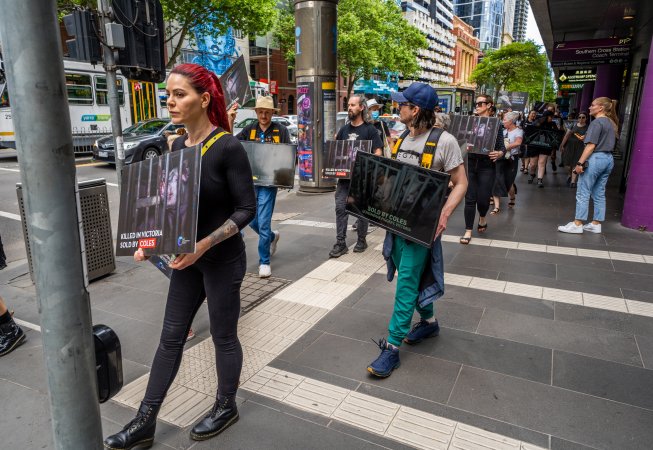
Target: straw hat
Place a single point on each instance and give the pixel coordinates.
(265, 103)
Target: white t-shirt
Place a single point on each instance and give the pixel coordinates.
(511, 136)
(447, 154)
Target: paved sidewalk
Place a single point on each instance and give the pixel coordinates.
(546, 342)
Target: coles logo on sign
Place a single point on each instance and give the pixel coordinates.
(147, 243)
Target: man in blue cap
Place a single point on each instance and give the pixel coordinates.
(420, 270)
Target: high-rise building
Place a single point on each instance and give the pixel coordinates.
(486, 16)
(508, 21)
(521, 19)
(434, 18)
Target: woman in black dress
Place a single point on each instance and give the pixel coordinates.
(215, 271)
(572, 147)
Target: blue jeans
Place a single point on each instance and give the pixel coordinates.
(592, 183)
(262, 223)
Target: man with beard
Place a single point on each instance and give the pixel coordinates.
(358, 129)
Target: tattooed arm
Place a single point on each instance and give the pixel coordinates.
(228, 229)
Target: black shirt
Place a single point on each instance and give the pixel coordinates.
(363, 132)
(382, 129)
(226, 192)
(276, 133)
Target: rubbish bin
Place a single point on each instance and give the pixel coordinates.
(95, 228)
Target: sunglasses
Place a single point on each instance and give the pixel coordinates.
(582, 117)
(481, 104)
(402, 104)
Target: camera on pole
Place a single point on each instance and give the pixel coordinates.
(143, 57)
(85, 46)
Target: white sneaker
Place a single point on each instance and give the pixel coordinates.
(592, 228)
(571, 227)
(273, 245)
(264, 270)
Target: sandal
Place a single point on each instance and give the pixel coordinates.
(465, 240)
(494, 212)
(482, 228)
(511, 203)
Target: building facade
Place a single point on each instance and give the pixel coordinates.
(486, 16)
(435, 20)
(520, 21)
(468, 48)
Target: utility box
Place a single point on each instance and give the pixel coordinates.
(94, 228)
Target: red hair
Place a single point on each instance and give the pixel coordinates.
(203, 80)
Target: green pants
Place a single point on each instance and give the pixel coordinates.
(410, 259)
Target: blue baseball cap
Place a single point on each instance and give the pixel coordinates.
(419, 94)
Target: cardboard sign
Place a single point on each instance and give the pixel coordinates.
(545, 139)
(159, 203)
(235, 83)
(475, 134)
(338, 157)
(272, 164)
(399, 197)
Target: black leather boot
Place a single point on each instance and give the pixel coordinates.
(223, 414)
(137, 433)
(11, 336)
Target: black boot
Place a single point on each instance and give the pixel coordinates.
(137, 433)
(11, 336)
(360, 246)
(223, 415)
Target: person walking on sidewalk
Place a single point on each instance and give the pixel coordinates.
(540, 153)
(505, 181)
(11, 335)
(358, 129)
(265, 131)
(419, 266)
(216, 269)
(594, 166)
(481, 173)
(374, 108)
(572, 146)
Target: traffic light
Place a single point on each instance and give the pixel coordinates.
(85, 46)
(142, 58)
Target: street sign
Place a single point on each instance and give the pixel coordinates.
(591, 52)
(577, 76)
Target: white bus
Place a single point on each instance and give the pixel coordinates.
(88, 104)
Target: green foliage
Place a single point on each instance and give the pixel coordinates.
(373, 36)
(520, 66)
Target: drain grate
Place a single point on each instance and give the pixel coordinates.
(255, 290)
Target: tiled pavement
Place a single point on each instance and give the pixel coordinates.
(546, 341)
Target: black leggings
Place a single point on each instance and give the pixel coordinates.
(220, 284)
(480, 180)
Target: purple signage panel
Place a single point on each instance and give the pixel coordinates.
(591, 52)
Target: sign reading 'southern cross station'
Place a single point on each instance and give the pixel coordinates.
(591, 52)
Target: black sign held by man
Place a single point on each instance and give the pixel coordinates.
(158, 204)
(338, 157)
(235, 83)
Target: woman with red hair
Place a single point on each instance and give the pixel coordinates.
(215, 271)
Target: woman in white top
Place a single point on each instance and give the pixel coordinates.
(513, 136)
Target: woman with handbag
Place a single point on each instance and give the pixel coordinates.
(594, 167)
(216, 269)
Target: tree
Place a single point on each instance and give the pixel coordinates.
(184, 18)
(373, 36)
(520, 66)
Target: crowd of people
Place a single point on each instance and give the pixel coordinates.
(229, 201)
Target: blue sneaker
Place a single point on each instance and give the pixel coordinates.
(387, 361)
(422, 330)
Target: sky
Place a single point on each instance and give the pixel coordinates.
(531, 29)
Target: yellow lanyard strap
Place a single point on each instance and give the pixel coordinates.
(212, 141)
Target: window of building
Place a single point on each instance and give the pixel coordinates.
(252, 71)
(102, 94)
(291, 75)
(79, 89)
(291, 104)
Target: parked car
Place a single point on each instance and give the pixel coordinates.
(143, 140)
(292, 128)
(291, 117)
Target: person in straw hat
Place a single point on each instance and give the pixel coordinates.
(265, 130)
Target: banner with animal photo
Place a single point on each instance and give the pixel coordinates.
(158, 204)
(399, 197)
(272, 164)
(545, 139)
(512, 101)
(475, 134)
(338, 157)
(235, 84)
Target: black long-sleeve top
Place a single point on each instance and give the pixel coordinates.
(226, 192)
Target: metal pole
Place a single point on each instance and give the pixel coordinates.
(544, 85)
(267, 55)
(114, 100)
(34, 64)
